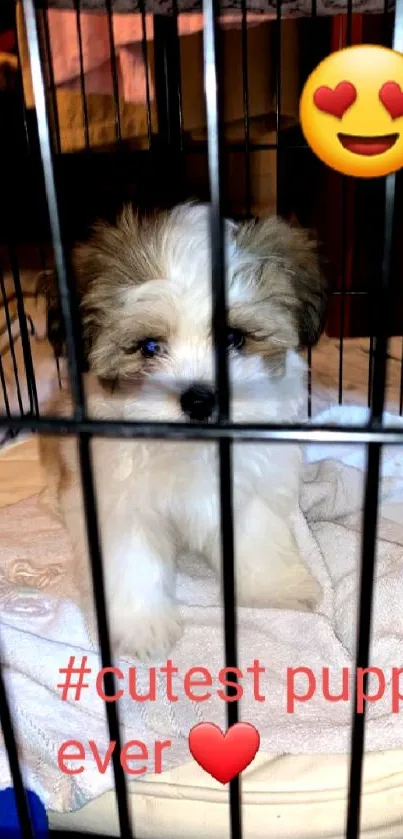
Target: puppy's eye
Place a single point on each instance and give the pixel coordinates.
(150, 347)
(235, 339)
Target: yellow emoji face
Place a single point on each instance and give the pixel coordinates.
(351, 111)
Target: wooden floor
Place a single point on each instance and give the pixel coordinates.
(20, 474)
(355, 369)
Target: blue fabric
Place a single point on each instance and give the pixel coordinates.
(9, 823)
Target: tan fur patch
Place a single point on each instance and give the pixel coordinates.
(288, 277)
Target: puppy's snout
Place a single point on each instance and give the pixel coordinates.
(198, 402)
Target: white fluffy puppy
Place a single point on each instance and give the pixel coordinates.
(145, 288)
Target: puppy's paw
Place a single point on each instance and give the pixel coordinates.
(147, 635)
(297, 590)
(293, 588)
(306, 591)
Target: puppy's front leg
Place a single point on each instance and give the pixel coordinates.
(269, 571)
(138, 560)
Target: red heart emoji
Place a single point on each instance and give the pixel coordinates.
(335, 102)
(224, 755)
(391, 96)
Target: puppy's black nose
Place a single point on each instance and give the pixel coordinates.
(198, 402)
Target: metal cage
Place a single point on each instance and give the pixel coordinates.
(168, 144)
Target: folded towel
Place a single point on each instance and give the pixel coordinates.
(40, 632)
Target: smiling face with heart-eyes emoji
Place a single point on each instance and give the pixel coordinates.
(351, 111)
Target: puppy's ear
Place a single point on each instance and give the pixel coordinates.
(103, 266)
(47, 287)
(291, 271)
(109, 262)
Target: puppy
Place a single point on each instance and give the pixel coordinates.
(145, 289)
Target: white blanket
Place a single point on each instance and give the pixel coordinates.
(38, 636)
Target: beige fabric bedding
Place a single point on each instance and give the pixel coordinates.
(294, 797)
(290, 797)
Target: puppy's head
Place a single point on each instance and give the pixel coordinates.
(147, 313)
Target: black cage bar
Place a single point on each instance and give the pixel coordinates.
(223, 431)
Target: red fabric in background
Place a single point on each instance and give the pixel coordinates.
(7, 41)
